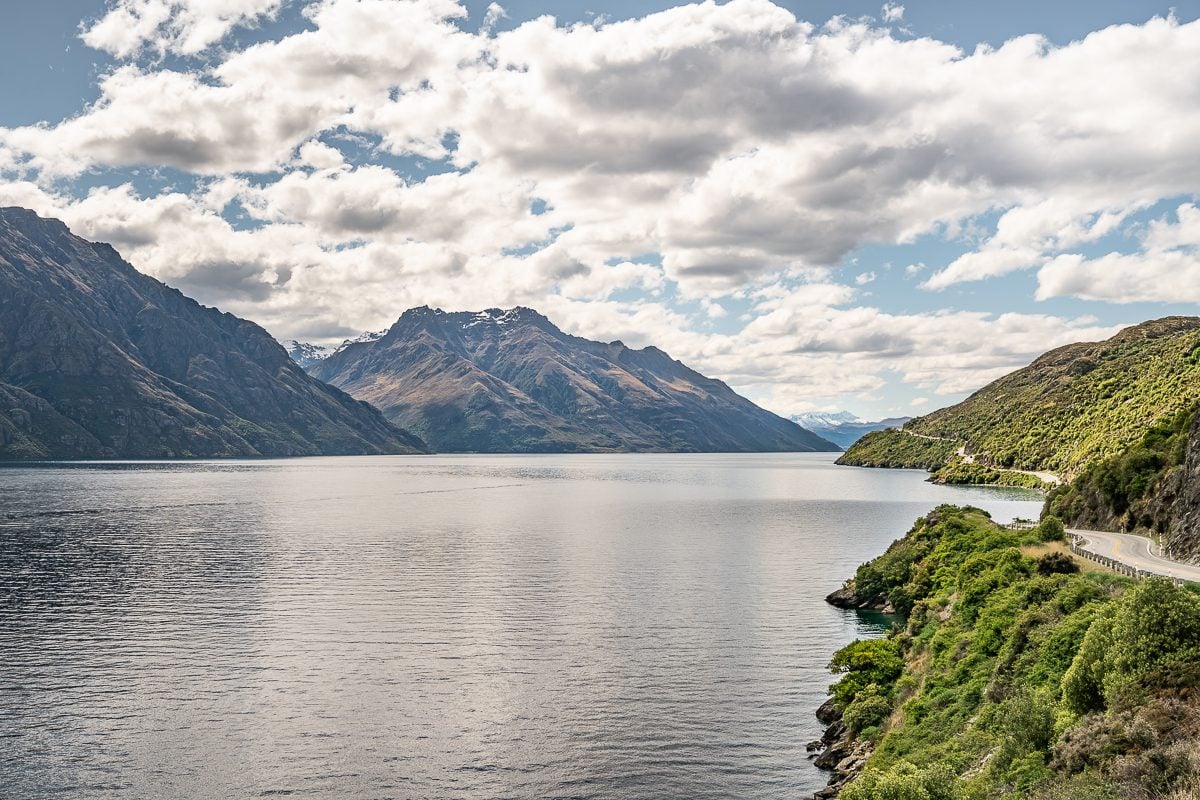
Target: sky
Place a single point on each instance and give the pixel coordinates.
(828, 205)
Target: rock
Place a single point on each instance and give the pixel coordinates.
(1184, 534)
(828, 712)
(844, 597)
(842, 754)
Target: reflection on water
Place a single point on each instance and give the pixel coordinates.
(433, 627)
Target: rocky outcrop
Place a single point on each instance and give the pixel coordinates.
(847, 597)
(838, 751)
(511, 381)
(100, 361)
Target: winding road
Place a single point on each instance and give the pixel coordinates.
(1134, 551)
(1045, 477)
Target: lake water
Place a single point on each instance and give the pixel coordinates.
(625, 626)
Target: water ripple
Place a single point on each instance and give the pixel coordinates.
(475, 627)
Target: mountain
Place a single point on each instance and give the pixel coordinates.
(510, 381)
(306, 354)
(100, 361)
(843, 428)
(1072, 407)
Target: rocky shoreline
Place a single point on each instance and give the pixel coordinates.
(839, 750)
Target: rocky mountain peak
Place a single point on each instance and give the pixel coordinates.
(508, 380)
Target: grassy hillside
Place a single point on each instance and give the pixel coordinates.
(1019, 677)
(1071, 407)
(897, 449)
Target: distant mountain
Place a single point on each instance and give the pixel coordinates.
(100, 361)
(306, 354)
(843, 428)
(510, 381)
(1072, 407)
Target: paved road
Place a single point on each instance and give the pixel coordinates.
(1044, 477)
(1135, 551)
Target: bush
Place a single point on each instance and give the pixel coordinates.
(1154, 623)
(1056, 564)
(869, 709)
(903, 781)
(863, 664)
(1051, 529)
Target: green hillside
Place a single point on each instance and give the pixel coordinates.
(1015, 675)
(1072, 407)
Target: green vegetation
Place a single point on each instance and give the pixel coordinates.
(1020, 678)
(980, 475)
(895, 448)
(1071, 407)
(1122, 492)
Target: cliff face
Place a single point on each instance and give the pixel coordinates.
(100, 361)
(510, 381)
(1183, 537)
(1152, 487)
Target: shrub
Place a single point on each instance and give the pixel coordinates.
(1154, 623)
(863, 663)
(1051, 529)
(1083, 684)
(904, 781)
(1056, 564)
(869, 709)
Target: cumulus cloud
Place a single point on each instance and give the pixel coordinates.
(1166, 269)
(746, 152)
(183, 27)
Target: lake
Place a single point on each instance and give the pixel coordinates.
(597, 626)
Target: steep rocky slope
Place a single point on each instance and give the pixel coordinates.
(1183, 537)
(1151, 487)
(100, 361)
(510, 381)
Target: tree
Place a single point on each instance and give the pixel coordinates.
(1153, 623)
(1051, 529)
(862, 663)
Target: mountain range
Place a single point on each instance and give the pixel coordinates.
(306, 354)
(843, 428)
(510, 381)
(100, 361)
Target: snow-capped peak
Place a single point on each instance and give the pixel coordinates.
(825, 419)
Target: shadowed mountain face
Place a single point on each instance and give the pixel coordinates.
(100, 361)
(510, 381)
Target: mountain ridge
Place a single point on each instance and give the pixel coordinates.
(1071, 407)
(98, 360)
(509, 380)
